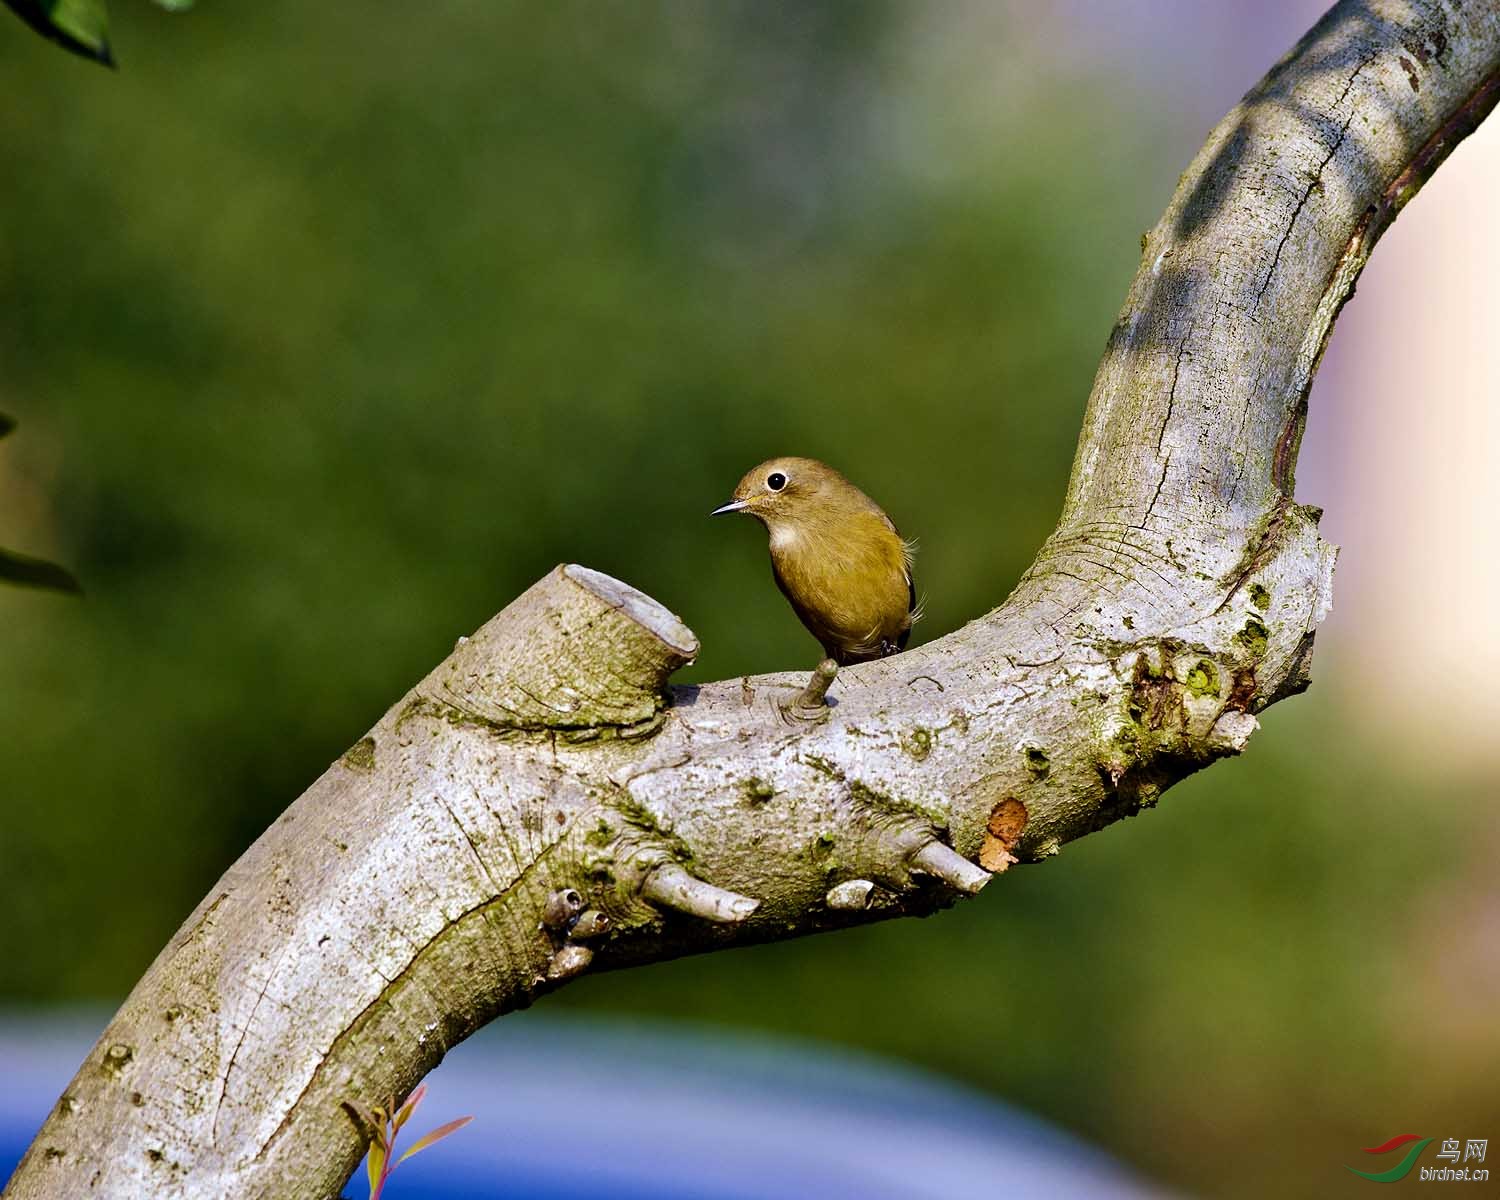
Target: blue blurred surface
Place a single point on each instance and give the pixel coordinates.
(567, 1108)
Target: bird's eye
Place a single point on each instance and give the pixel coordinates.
(776, 481)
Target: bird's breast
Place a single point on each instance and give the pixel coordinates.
(848, 583)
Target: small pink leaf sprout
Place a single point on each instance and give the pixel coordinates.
(385, 1122)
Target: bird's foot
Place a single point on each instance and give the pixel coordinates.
(811, 703)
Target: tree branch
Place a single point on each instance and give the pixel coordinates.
(541, 804)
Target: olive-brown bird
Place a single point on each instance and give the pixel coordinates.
(836, 556)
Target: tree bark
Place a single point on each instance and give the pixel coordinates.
(543, 803)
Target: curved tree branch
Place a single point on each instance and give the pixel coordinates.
(542, 804)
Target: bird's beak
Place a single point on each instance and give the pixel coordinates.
(732, 506)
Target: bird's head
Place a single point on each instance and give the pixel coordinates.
(787, 491)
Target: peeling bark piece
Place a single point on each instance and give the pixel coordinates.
(1002, 834)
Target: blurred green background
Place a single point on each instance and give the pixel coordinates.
(331, 328)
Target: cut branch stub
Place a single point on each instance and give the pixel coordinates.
(943, 862)
(579, 651)
(673, 887)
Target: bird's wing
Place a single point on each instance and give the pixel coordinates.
(908, 553)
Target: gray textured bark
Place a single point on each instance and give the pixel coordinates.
(542, 803)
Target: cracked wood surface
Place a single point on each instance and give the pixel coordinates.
(543, 803)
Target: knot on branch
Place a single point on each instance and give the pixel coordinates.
(578, 653)
(878, 841)
(1183, 708)
(572, 927)
(617, 870)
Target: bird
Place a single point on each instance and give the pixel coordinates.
(836, 556)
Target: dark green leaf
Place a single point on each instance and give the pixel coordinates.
(81, 26)
(36, 572)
